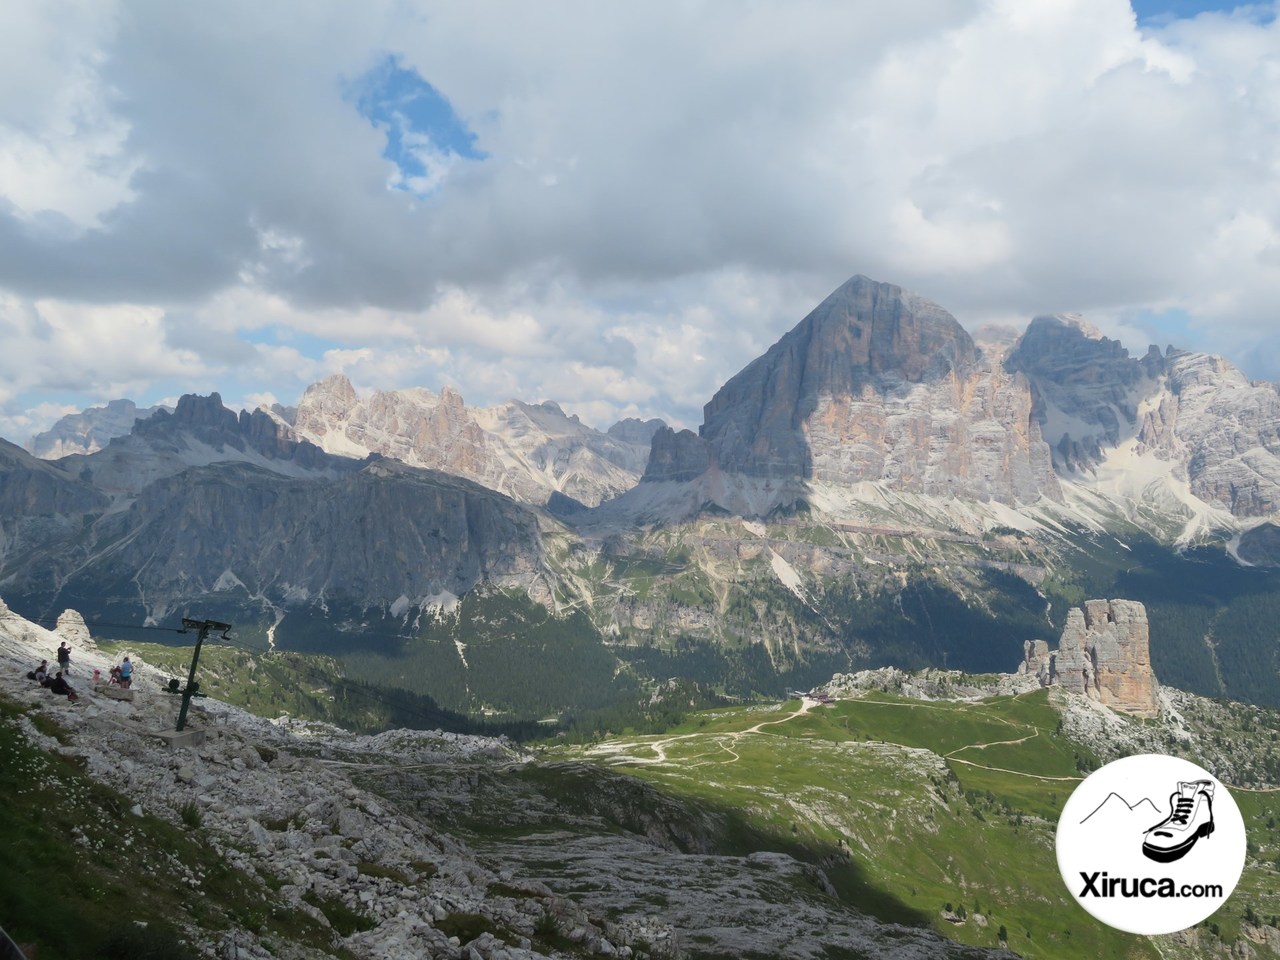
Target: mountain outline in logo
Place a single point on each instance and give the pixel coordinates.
(1143, 865)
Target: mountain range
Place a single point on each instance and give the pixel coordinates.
(879, 487)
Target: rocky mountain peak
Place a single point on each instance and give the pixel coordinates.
(207, 420)
(1085, 386)
(875, 384)
(865, 329)
(199, 431)
(635, 430)
(335, 385)
(88, 431)
(866, 338)
(678, 457)
(197, 411)
(1067, 343)
(528, 451)
(324, 401)
(552, 407)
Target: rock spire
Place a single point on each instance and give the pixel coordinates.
(1104, 654)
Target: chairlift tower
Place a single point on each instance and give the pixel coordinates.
(204, 626)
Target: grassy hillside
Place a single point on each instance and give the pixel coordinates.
(938, 805)
(308, 687)
(314, 687)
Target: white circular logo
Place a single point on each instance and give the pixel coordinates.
(1151, 844)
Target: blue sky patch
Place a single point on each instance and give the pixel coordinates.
(1163, 11)
(309, 345)
(1172, 327)
(424, 134)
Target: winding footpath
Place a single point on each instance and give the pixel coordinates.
(620, 753)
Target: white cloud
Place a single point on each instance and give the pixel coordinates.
(100, 350)
(62, 144)
(174, 195)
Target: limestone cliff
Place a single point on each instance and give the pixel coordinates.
(88, 431)
(875, 384)
(204, 505)
(1104, 654)
(1192, 416)
(525, 450)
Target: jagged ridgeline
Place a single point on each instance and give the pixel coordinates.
(879, 488)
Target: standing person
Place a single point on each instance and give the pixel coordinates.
(64, 658)
(126, 673)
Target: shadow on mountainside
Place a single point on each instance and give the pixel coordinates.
(564, 809)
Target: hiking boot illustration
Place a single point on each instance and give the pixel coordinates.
(1190, 818)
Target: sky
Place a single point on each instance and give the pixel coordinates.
(612, 205)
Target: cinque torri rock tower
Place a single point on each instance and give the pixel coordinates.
(1104, 654)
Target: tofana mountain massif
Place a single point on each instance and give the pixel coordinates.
(995, 563)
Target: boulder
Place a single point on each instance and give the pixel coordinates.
(113, 691)
(71, 628)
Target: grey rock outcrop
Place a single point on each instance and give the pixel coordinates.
(1036, 660)
(676, 456)
(72, 628)
(1104, 654)
(208, 421)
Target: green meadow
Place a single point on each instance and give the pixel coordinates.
(941, 813)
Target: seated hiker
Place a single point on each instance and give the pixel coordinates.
(60, 686)
(126, 673)
(115, 675)
(40, 673)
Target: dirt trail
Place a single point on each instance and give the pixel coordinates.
(805, 706)
(619, 752)
(1016, 773)
(992, 743)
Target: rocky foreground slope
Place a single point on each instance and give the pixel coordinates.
(342, 826)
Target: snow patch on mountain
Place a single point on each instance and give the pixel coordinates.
(1139, 485)
(228, 581)
(788, 575)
